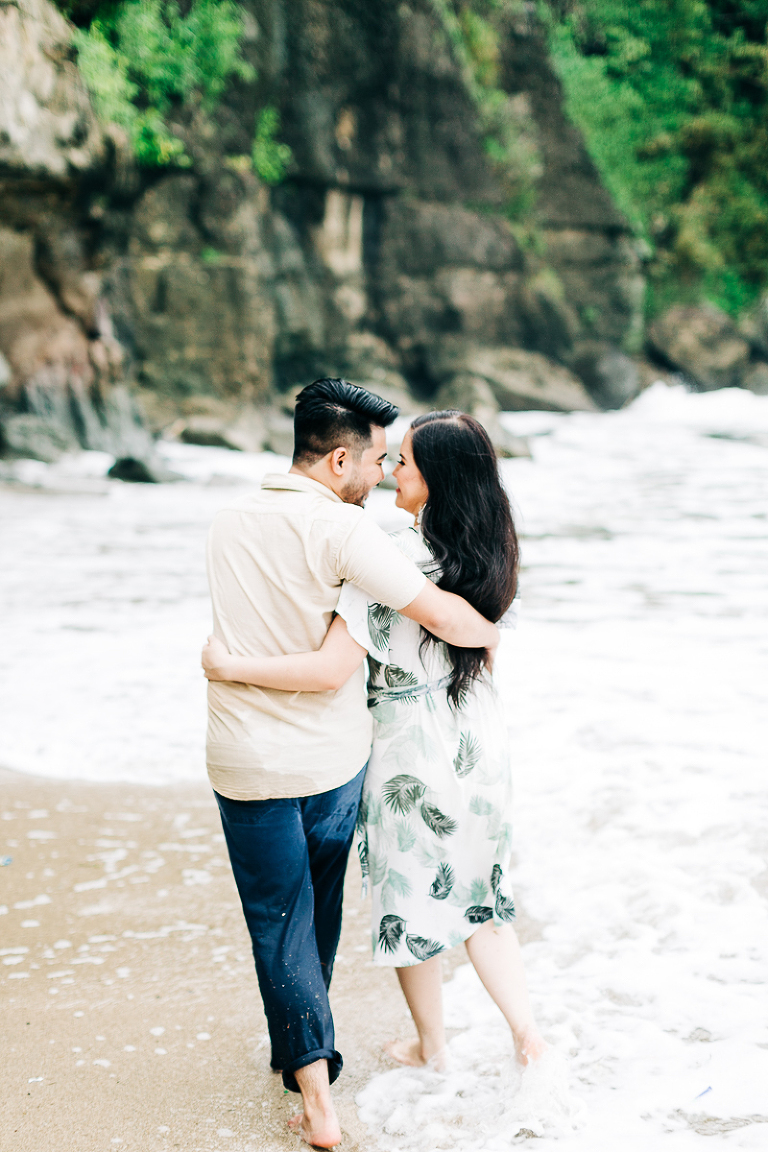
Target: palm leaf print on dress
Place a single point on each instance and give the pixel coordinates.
(478, 891)
(409, 745)
(396, 677)
(442, 883)
(401, 793)
(391, 931)
(479, 913)
(362, 815)
(479, 806)
(399, 678)
(398, 883)
(423, 949)
(377, 866)
(437, 821)
(373, 815)
(406, 837)
(496, 875)
(468, 754)
(463, 696)
(505, 908)
(362, 851)
(380, 619)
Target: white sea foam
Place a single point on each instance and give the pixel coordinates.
(637, 686)
(636, 692)
(483, 1100)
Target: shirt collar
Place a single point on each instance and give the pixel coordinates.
(295, 482)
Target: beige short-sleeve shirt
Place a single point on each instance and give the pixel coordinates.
(276, 561)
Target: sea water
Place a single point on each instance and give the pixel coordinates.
(635, 685)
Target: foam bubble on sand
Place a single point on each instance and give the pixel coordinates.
(541, 1101)
(192, 876)
(38, 900)
(100, 909)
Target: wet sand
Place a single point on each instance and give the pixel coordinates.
(131, 1014)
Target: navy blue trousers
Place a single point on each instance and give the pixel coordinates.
(289, 858)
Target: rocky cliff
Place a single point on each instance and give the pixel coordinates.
(396, 252)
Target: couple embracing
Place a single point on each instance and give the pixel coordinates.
(305, 586)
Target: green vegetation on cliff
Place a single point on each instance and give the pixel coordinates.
(672, 98)
(474, 29)
(143, 60)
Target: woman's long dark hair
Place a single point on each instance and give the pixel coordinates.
(468, 524)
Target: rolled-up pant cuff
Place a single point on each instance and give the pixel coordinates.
(335, 1065)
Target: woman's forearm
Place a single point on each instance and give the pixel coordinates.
(322, 671)
(303, 672)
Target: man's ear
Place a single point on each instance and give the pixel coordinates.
(339, 457)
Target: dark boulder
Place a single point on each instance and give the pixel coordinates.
(612, 378)
(132, 471)
(703, 343)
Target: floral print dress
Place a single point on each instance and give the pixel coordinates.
(434, 824)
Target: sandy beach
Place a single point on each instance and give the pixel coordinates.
(131, 1013)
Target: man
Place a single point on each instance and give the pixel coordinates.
(287, 768)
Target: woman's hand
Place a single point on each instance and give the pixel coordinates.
(215, 660)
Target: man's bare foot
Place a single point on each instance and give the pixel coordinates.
(411, 1053)
(320, 1131)
(317, 1124)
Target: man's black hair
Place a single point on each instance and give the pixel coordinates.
(333, 413)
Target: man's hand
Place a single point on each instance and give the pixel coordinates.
(215, 660)
(490, 655)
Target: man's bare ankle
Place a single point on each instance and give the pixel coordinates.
(318, 1124)
(314, 1085)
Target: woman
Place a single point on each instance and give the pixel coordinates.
(435, 837)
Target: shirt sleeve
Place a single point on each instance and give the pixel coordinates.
(353, 607)
(368, 558)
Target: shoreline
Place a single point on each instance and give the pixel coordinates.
(132, 1013)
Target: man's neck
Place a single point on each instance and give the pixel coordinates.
(314, 472)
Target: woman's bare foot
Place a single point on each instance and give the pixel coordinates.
(531, 1048)
(411, 1053)
(320, 1130)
